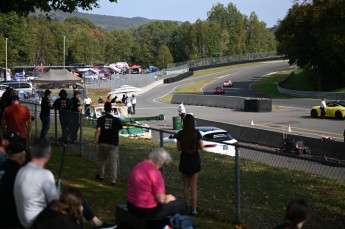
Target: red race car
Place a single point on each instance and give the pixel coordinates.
(219, 90)
(227, 83)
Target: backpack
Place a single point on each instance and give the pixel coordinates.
(181, 222)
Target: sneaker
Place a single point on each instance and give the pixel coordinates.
(194, 212)
(106, 226)
(113, 183)
(98, 177)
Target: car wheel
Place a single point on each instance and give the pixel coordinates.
(338, 115)
(313, 113)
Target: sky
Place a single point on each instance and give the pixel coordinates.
(269, 11)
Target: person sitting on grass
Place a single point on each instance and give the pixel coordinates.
(297, 213)
(146, 190)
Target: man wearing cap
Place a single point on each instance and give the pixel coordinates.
(76, 108)
(17, 118)
(46, 105)
(6, 139)
(107, 136)
(16, 158)
(64, 105)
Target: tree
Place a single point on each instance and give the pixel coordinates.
(312, 36)
(24, 7)
(164, 57)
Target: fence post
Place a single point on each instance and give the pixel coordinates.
(81, 134)
(238, 183)
(160, 138)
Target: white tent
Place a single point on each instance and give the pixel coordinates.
(125, 89)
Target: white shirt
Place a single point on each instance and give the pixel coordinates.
(34, 188)
(134, 100)
(87, 101)
(323, 104)
(181, 108)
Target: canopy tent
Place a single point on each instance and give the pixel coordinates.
(125, 89)
(57, 76)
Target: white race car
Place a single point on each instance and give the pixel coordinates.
(212, 138)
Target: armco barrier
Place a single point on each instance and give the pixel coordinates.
(232, 102)
(274, 139)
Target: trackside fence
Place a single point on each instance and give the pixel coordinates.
(252, 188)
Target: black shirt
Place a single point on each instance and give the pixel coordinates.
(75, 104)
(45, 109)
(63, 104)
(50, 219)
(7, 203)
(110, 127)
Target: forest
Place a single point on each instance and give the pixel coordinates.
(33, 40)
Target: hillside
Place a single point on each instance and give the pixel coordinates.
(107, 22)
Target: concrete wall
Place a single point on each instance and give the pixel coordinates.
(232, 102)
(274, 139)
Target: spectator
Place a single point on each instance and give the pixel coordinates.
(16, 158)
(297, 213)
(123, 100)
(181, 111)
(323, 108)
(34, 188)
(146, 191)
(87, 102)
(108, 99)
(75, 122)
(63, 213)
(17, 118)
(100, 99)
(64, 105)
(189, 143)
(114, 99)
(4, 142)
(46, 105)
(134, 103)
(6, 99)
(107, 136)
(129, 105)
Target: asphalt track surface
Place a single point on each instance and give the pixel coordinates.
(293, 112)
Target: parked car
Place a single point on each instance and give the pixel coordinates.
(24, 87)
(219, 90)
(335, 109)
(212, 138)
(227, 83)
(2, 89)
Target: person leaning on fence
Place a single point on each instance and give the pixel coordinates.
(107, 136)
(189, 143)
(297, 213)
(17, 118)
(134, 103)
(75, 120)
(46, 105)
(64, 105)
(146, 190)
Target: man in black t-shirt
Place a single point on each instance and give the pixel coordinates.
(64, 105)
(76, 108)
(46, 105)
(107, 136)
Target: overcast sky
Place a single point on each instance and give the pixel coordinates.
(269, 11)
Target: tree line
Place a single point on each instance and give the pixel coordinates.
(33, 40)
(312, 36)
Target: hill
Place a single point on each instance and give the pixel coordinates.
(107, 22)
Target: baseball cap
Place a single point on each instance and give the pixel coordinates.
(15, 148)
(11, 136)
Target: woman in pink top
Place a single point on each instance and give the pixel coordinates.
(146, 190)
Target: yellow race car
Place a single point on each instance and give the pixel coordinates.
(335, 109)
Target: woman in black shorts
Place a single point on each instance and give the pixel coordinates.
(189, 143)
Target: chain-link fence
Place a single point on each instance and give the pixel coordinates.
(253, 187)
